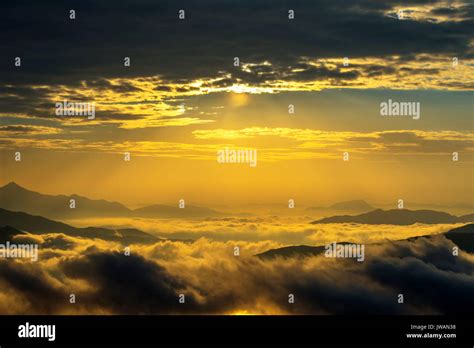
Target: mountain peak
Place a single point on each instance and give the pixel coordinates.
(12, 185)
(397, 217)
(355, 204)
(13, 197)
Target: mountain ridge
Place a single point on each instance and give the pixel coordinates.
(355, 205)
(14, 197)
(35, 224)
(398, 217)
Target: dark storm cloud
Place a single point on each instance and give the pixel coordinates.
(26, 100)
(103, 84)
(465, 11)
(377, 70)
(423, 269)
(186, 89)
(316, 73)
(163, 88)
(56, 50)
(419, 71)
(425, 285)
(124, 282)
(31, 282)
(17, 129)
(333, 294)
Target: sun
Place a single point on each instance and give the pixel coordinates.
(238, 99)
(243, 312)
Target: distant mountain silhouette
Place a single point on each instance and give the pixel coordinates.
(462, 236)
(16, 198)
(354, 206)
(466, 218)
(398, 217)
(166, 211)
(39, 225)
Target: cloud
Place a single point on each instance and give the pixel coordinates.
(214, 280)
(266, 35)
(301, 143)
(28, 130)
(276, 55)
(31, 285)
(123, 282)
(336, 142)
(273, 231)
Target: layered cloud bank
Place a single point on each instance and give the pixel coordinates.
(213, 280)
(168, 66)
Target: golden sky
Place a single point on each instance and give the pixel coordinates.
(174, 109)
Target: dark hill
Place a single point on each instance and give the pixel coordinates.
(40, 225)
(397, 217)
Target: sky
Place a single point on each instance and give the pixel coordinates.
(183, 99)
(299, 85)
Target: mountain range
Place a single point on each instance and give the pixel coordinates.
(16, 198)
(13, 223)
(398, 217)
(354, 206)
